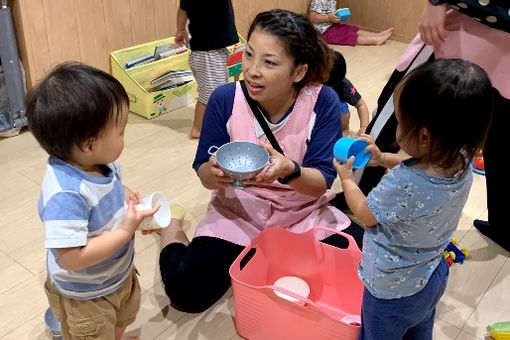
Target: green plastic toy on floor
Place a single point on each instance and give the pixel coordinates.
(499, 330)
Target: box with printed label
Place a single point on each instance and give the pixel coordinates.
(136, 68)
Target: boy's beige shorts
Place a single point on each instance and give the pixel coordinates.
(96, 318)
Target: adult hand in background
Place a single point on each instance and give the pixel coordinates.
(432, 22)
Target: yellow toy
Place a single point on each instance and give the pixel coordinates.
(499, 330)
(452, 254)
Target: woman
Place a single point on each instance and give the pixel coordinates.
(285, 61)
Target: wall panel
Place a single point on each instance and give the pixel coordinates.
(53, 31)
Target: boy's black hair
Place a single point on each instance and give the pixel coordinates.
(339, 70)
(452, 99)
(71, 104)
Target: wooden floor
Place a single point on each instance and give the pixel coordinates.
(158, 156)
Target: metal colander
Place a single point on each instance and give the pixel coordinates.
(240, 160)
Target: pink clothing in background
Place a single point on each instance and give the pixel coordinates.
(341, 34)
(470, 40)
(238, 215)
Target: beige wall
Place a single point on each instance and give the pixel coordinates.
(52, 31)
(378, 15)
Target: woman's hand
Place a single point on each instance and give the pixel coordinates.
(280, 166)
(432, 24)
(222, 179)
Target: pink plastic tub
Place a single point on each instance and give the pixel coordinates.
(331, 274)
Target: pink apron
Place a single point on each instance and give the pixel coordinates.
(238, 215)
(470, 40)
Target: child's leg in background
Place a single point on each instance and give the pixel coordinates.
(410, 317)
(345, 116)
(210, 71)
(343, 34)
(345, 124)
(374, 38)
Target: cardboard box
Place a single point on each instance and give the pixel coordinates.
(137, 79)
(236, 51)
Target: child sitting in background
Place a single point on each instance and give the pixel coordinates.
(322, 15)
(348, 95)
(78, 115)
(443, 109)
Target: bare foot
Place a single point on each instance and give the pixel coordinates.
(382, 38)
(386, 31)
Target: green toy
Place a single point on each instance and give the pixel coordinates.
(499, 330)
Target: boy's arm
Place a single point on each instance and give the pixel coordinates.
(363, 115)
(103, 246)
(181, 36)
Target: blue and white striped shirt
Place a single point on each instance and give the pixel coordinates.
(75, 206)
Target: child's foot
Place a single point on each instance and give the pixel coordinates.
(386, 31)
(382, 38)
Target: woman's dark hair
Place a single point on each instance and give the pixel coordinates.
(452, 99)
(73, 103)
(301, 40)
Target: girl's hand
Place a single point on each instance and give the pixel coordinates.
(377, 157)
(344, 171)
(222, 179)
(431, 24)
(333, 18)
(280, 166)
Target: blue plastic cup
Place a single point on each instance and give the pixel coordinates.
(346, 147)
(343, 13)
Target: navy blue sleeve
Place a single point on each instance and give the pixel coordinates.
(214, 126)
(325, 133)
(350, 93)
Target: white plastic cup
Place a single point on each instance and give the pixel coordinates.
(353, 320)
(161, 219)
(293, 284)
(346, 147)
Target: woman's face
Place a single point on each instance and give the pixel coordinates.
(268, 69)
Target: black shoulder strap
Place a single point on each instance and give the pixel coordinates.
(260, 118)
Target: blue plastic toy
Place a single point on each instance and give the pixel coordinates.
(453, 254)
(343, 14)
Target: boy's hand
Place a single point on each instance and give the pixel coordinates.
(133, 218)
(181, 37)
